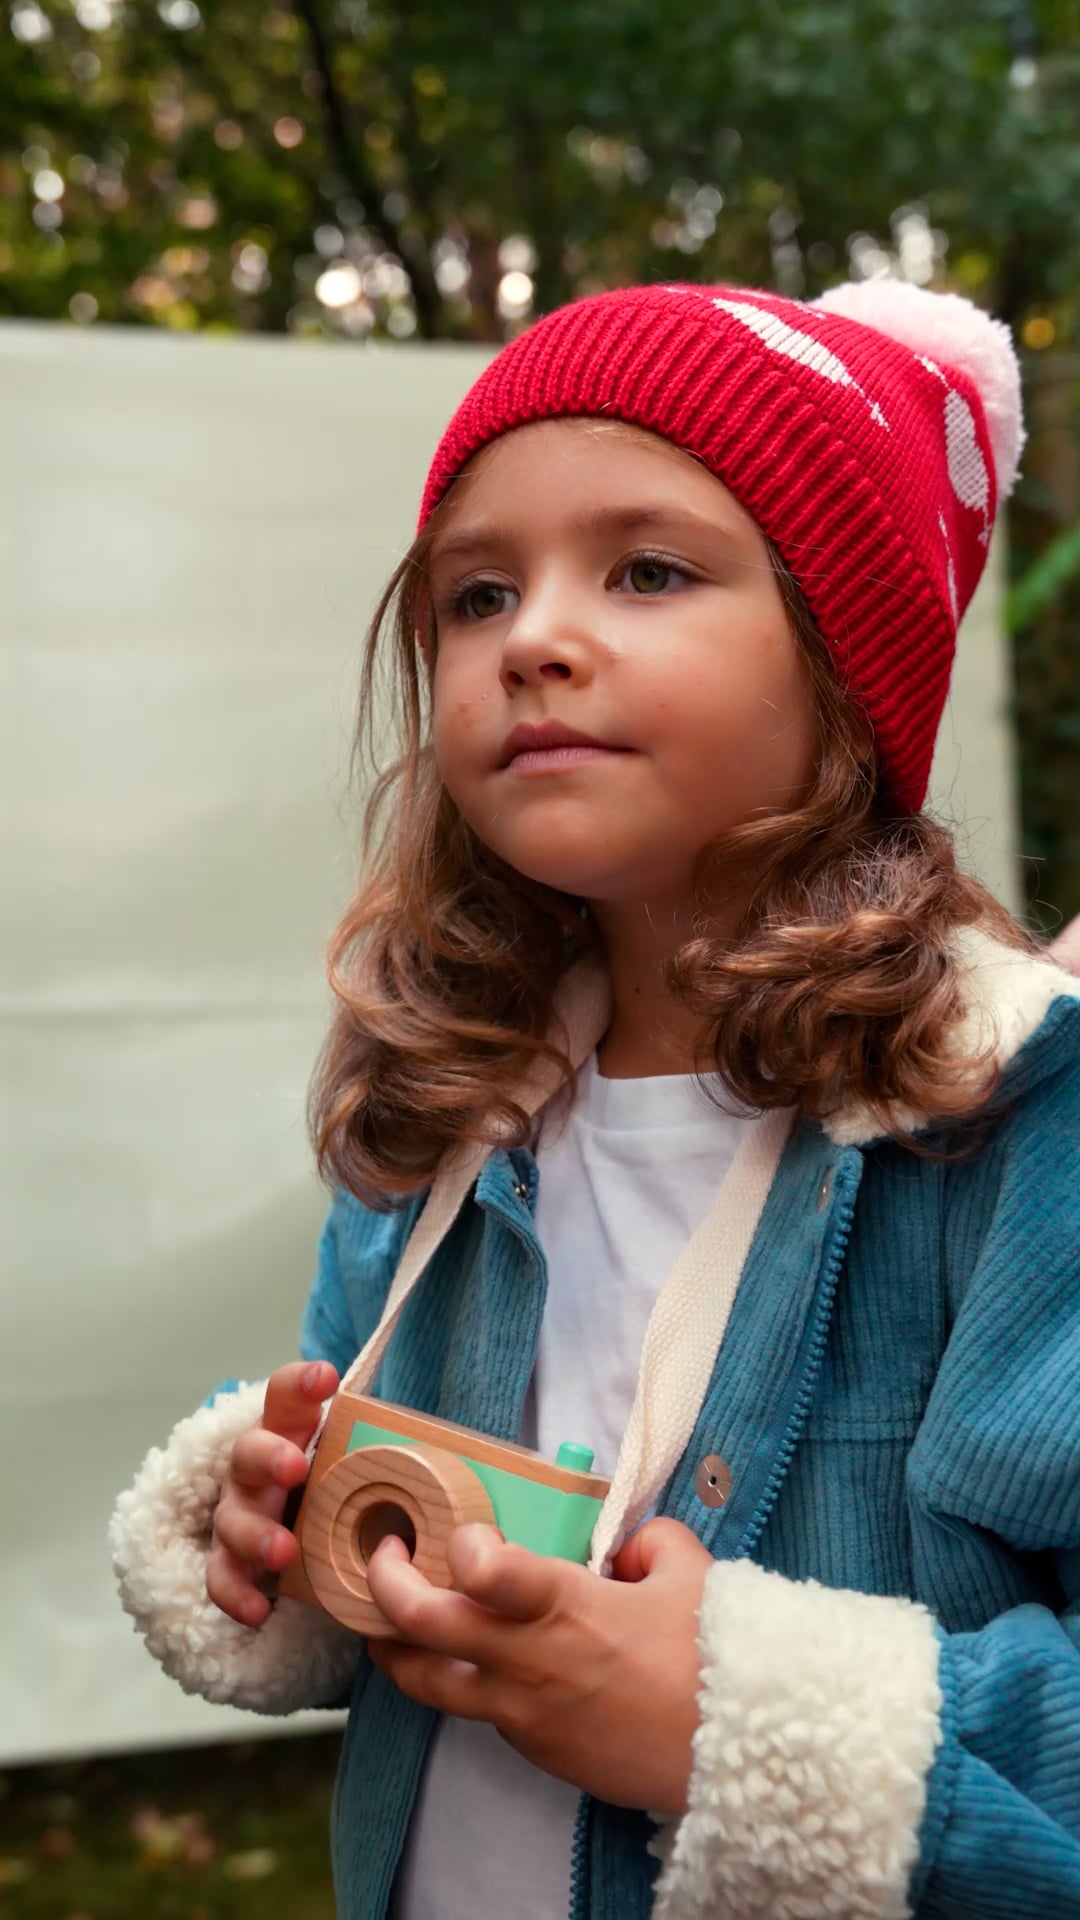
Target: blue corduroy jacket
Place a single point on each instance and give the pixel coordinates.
(897, 1396)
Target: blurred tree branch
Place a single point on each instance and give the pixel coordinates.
(347, 154)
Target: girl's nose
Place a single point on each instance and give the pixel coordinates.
(524, 672)
(540, 649)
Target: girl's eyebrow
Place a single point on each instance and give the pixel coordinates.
(596, 520)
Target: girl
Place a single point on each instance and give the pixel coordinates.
(684, 1098)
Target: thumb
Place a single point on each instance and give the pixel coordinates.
(657, 1547)
(508, 1579)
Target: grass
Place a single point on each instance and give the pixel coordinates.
(234, 1832)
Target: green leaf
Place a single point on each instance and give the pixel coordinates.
(1044, 580)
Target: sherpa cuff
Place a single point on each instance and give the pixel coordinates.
(160, 1535)
(820, 1716)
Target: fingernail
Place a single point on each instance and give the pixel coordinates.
(311, 1377)
(266, 1546)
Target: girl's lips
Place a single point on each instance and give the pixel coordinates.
(546, 737)
(557, 759)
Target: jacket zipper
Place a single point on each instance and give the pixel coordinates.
(577, 1860)
(830, 1280)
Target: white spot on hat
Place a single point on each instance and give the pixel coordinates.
(968, 472)
(967, 468)
(798, 346)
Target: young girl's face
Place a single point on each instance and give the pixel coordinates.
(600, 582)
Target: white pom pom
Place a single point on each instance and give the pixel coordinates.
(955, 333)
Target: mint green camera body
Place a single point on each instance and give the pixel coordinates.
(381, 1469)
(543, 1518)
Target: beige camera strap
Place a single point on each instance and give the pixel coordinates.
(582, 1011)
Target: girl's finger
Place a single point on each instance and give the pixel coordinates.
(231, 1588)
(252, 1537)
(507, 1579)
(433, 1680)
(294, 1397)
(426, 1616)
(655, 1547)
(261, 1459)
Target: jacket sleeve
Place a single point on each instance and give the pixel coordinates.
(856, 1758)
(161, 1529)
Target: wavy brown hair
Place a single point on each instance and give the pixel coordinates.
(840, 985)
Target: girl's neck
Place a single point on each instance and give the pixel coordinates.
(650, 1033)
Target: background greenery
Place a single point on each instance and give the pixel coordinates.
(349, 168)
(221, 1833)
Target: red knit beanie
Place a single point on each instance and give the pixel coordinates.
(870, 434)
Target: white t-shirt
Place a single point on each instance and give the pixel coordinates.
(624, 1180)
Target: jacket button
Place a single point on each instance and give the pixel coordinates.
(824, 1190)
(712, 1481)
(521, 1190)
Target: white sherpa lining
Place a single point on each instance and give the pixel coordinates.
(1008, 994)
(952, 330)
(820, 1717)
(160, 1541)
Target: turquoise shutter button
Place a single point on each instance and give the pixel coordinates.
(577, 1459)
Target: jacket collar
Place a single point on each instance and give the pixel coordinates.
(1008, 994)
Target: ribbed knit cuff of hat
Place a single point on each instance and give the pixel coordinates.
(160, 1536)
(820, 1718)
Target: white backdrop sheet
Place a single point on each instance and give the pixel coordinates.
(193, 534)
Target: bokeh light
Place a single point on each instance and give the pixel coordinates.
(339, 285)
(30, 24)
(83, 308)
(48, 184)
(515, 295)
(1038, 333)
(95, 15)
(180, 14)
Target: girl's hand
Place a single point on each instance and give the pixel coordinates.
(265, 1464)
(594, 1680)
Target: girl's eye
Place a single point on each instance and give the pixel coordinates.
(650, 574)
(479, 600)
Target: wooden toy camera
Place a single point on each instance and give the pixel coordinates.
(381, 1469)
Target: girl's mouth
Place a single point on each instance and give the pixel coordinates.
(556, 759)
(549, 747)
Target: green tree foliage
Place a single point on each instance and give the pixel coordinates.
(621, 139)
(400, 167)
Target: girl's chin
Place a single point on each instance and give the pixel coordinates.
(581, 878)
